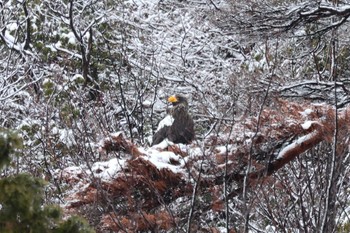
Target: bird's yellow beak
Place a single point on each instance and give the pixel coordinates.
(172, 99)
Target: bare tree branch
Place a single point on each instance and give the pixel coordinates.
(262, 19)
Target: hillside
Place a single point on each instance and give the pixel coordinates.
(84, 84)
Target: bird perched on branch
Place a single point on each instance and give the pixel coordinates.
(177, 126)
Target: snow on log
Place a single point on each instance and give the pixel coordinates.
(307, 124)
(300, 145)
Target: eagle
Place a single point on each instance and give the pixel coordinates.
(178, 125)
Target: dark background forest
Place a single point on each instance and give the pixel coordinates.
(84, 84)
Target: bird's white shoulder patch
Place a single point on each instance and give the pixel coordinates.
(167, 121)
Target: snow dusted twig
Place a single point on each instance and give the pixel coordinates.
(85, 49)
(193, 199)
(226, 183)
(328, 218)
(11, 95)
(249, 166)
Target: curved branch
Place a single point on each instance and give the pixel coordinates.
(28, 27)
(264, 20)
(289, 153)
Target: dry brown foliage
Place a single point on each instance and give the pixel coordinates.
(137, 222)
(117, 142)
(269, 142)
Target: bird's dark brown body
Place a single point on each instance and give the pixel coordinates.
(181, 129)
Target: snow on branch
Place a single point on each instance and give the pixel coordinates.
(304, 128)
(269, 18)
(318, 91)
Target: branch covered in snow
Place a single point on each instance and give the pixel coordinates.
(267, 17)
(318, 91)
(318, 128)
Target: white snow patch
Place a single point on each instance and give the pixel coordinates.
(105, 170)
(46, 80)
(270, 228)
(77, 77)
(67, 137)
(73, 170)
(307, 124)
(222, 229)
(306, 112)
(116, 134)
(163, 144)
(319, 104)
(183, 147)
(70, 36)
(195, 152)
(12, 26)
(51, 47)
(57, 45)
(223, 149)
(146, 103)
(161, 159)
(108, 169)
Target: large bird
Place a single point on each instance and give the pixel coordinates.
(177, 126)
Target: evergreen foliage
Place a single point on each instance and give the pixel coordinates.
(9, 141)
(22, 197)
